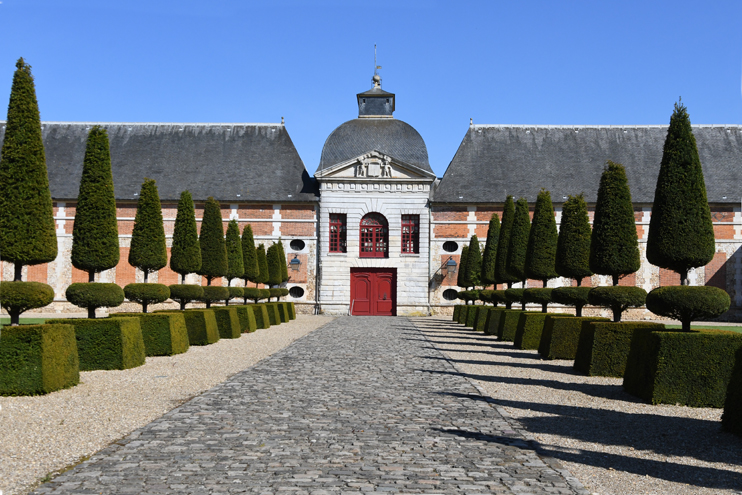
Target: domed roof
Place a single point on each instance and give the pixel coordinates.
(387, 135)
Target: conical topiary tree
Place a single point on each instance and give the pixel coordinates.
(614, 245)
(235, 258)
(573, 245)
(250, 256)
(263, 273)
(542, 241)
(489, 258)
(185, 255)
(274, 265)
(27, 229)
(502, 276)
(213, 248)
(519, 241)
(681, 235)
(463, 261)
(474, 263)
(282, 258)
(148, 251)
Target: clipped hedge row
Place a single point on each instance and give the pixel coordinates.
(508, 324)
(689, 368)
(493, 321)
(528, 333)
(247, 318)
(164, 334)
(228, 322)
(561, 335)
(471, 316)
(456, 311)
(292, 311)
(731, 420)
(201, 325)
(481, 319)
(262, 318)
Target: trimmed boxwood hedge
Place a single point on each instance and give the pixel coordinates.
(471, 316)
(731, 420)
(572, 296)
(292, 310)
(93, 295)
(228, 322)
(281, 317)
(186, 293)
(493, 321)
(617, 298)
(273, 317)
(462, 314)
(456, 311)
(515, 296)
(562, 334)
(687, 303)
(541, 296)
(508, 324)
(528, 333)
(38, 359)
(17, 297)
(481, 318)
(603, 348)
(164, 334)
(235, 293)
(213, 293)
(688, 368)
(201, 325)
(247, 318)
(146, 294)
(107, 344)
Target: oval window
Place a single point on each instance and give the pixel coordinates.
(450, 294)
(450, 246)
(296, 292)
(297, 244)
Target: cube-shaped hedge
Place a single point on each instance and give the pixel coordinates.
(262, 320)
(107, 343)
(456, 311)
(283, 311)
(481, 319)
(675, 367)
(471, 316)
(508, 324)
(247, 318)
(731, 420)
(273, 316)
(38, 359)
(493, 321)
(462, 314)
(528, 333)
(603, 348)
(561, 335)
(292, 310)
(201, 325)
(228, 322)
(164, 334)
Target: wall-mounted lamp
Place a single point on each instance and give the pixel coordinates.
(295, 263)
(451, 266)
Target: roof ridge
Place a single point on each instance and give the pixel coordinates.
(579, 126)
(205, 124)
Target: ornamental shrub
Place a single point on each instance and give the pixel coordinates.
(284, 265)
(148, 251)
(146, 294)
(572, 296)
(185, 255)
(463, 261)
(265, 294)
(252, 293)
(681, 235)
(473, 272)
(213, 248)
(540, 296)
(234, 293)
(274, 266)
(619, 299)
(530, 327)
(262, 320)
(687, 303)
(201, 326)
(542, 241)
(228, 322)
(573, 244)
(614, 246)
(185, 293)
(498, 297)
(603, 348)
(213, 293)
(502, 275)
(515, 295)
(489, 258)
(94, 295)
(27, 228)
(480, 319)
(469, 295)
(561, 336)
(164, 334)
(519, 241)
(18, 297)
(493, 321)
(247, 318)
(485, 296)
(95, 236)
(731, 420)
(509, 324)
(235, 258)
(250, 256)
(263, 274)
(275, 292)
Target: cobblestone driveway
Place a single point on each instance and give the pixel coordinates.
(345, 409)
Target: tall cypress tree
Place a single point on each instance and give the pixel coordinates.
(463, 262)
(250, 256)
(274, 265)
(27, 230)
(681, 235)
(282, 258)
(489, 258)
(185, 255)
(614, 245)
(95, 235)
(573, 245)
(474, 263)
(542, 241)
(213, 248)
(148, 251)
(263, 273)
(502, 276)
(235, 259)
(519, 241)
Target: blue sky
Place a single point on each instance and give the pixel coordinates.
(527, 62)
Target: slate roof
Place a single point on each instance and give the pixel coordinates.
(494, 161)
(387, 135)
(231, 162)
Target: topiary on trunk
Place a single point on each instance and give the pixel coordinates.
(489, 258)
(213, 294)
(571, 296)
(515, 295)
(502, 276)
(519, 241)
(687, 303)
(284, 265)
(234, 293)
(186, 293)
(94, 295)
(251, 293)
(473, 264)
(542, 241)
(463, 261)
(540, 296)
(185, 255)
(235, 258)
(274, 265)
(618, 299)
(573, 245)
(146, 294)
(250, 256)
(148, 251)
(213, 248)
(263, 275)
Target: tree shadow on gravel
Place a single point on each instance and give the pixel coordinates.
(543, 365)
(663, 435)
(512, 352)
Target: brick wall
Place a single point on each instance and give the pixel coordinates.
(295, 229)
(298, 277)
(669, 277)
(460, 230)
(79, 276)
(628, 280)
(38, 273)
(255, 211)
(716, 271)
(166, 275)
(125, 273)
(724, 231)
(451, 214)
(298, 212)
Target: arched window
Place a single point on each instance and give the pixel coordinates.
(374, 236)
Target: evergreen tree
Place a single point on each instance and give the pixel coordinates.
(263, 273)
(614, 245)
(235, 258)
(148, 251)
(542, 241)
(27, 229)
(95, 235)
(213, 248)
(681, 235)
(274, 265)
(474, 263)
(573, 245)
(489, 258)
(502, 276)
(185, 255)
(250, 256)
(463, 261)
(284, 266)
(519, 241)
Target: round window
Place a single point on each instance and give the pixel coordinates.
(297, 244)
(297, 292)
(450, 294)
(450, 246)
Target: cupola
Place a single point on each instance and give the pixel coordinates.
(376, 103)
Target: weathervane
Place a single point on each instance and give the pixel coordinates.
(377, 78)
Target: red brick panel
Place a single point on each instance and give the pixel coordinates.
(586, 282)
(126, 227)
(303, 212)
(295, 229)
(300, 276)
(169, 227)
(38, 273)
(716, 271)
(126, 211)
(125, 273)
(457, 230)
(481, 231)
(485, 214)
(255, 211)
(628, 280)
(721, 214)
(534, 284)
(166, 275)
(453, 213)
(449, 281)
(669, 277)
(262, 228)
(79, 276)
(638, 215)
(724, 231)
(169, 210)
(217, 281)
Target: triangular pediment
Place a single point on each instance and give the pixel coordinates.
(374, 165)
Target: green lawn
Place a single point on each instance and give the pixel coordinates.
(718, 327)
(24, 321)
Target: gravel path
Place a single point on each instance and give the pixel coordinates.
(43, 434)
(611, 442)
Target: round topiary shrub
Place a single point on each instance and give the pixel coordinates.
(235, 292)
(571, 296)
(251, 293)
(514, 296)
(213, 293)
(485, 296)
(265, 293)
(540, 296)
(617, 298)
(275, 292)
(498, 297)
(284, 292)
(146, 294)
(17, 297)
(93, 295)
(469, 295)
(186, 293)
(687, 303)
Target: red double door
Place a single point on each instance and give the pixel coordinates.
(373, 291)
